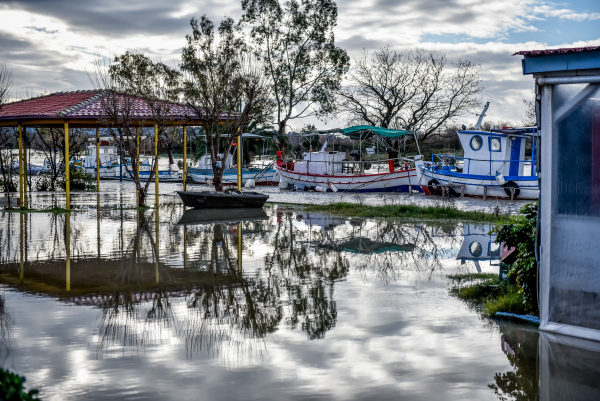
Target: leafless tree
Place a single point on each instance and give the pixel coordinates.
(6, 155)
(415, 91)
(124, 88)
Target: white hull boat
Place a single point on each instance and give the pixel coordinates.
(494, 165)
(329, 170)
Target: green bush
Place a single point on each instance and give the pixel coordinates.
(521, 235)
(12, 389)
(511, 302)
(80, 179)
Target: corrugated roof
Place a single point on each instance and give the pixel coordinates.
(550, 52)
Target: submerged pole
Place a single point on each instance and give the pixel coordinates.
(97, 159)
(67, 172)
(20, 128)
(68, 251)
(239, 247)
(156, 164)
(239, 161)
(184, 157)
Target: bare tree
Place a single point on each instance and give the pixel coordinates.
(224, 85)
(6, 155)
(135, 81)
(416, 91)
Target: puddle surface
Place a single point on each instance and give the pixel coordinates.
(279, 304)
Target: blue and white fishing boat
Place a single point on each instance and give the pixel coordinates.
(203, 172)
(495, 164)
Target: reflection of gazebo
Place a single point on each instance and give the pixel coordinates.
(83, 109)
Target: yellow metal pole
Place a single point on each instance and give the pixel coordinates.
(68, 250)
(137, 162)
(25, 166)
(184, 157)
(21, 243)
(97, 159)
(67, 173)
(239, 161)
(156, 165)
(20, 166)
(185, 259)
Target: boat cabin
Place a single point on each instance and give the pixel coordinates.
(320, 163)
(108, 155)
(206, 163)
(502, 150)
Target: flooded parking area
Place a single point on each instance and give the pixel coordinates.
(167, 303)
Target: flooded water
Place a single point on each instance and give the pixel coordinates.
(276, 304)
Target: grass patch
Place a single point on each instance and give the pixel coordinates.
(406, 211)
(512, 302)
(53, 210)
(488, 291)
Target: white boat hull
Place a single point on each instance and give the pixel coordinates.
(396, 181)
(474, 185)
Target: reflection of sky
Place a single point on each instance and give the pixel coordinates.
(397, 332)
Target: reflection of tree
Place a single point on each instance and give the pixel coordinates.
(305, 279)
(6, 323)
(520, 347)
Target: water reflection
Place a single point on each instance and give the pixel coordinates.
(277, 290)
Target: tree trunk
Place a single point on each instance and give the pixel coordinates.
(141, 198)
(393, 154)
(170, 153)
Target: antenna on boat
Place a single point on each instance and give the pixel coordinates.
(480, 120)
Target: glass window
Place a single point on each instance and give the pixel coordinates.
(476, 142)
(495, 144)
(475, 248)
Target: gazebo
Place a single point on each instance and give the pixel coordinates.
(84, 109)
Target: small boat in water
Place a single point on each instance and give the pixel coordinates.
(203, 172)
(220, 200)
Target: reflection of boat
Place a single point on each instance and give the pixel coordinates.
(221, 216)
(478, 244)
(493, 165)
(366, 245)
(220, 200)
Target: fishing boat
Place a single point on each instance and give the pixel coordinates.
(495, 164)
(332, 170)
(203, 172)
(221, 200)
(221, 216)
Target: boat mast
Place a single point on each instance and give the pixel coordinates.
(480, 120)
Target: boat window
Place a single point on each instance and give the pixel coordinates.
(494, 250)
(476, 142)
(495, 144)
(475, 248)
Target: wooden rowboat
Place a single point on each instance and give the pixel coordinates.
(219, 200)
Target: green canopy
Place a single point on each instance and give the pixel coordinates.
(366, 131)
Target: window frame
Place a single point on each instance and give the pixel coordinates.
(471, 142)
(490, 143)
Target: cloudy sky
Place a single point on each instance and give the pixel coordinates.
(52, 45)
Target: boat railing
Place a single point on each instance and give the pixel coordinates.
(360, 166)
(445, 160)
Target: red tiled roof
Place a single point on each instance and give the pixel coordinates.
(549, 52)
(46, 106)
(80, 104)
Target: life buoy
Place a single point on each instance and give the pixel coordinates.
(233, 230)
(508, 186)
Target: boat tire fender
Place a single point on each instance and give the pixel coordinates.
(434, 188)
(508, 186)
